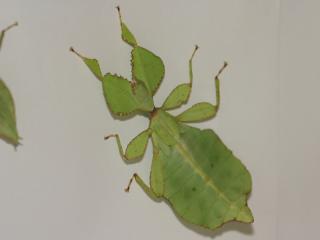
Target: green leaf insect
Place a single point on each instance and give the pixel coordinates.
(192, 169)
(8, 126)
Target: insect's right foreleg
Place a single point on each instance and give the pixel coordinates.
(191, 71)
(143, 185)
(181, 94)
(203, 110)
(190, 65)
(217, 85)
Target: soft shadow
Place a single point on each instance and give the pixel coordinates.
(243, 228)
(133, 161)
(122, 117)
(8, 141)
(246, 229)
(127, 116)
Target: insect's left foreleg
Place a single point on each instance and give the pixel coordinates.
(2, 33)
(143, 185)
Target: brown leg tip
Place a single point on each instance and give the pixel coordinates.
(109, 136)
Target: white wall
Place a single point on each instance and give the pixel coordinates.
(299, 161)
(65, 182)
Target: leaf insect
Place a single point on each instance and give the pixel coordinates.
(8, 126)
(192, 169)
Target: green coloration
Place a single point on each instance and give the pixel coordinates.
(204, 182)
(94, 67)
(123, 98)
(2, 33)
(177, 97)
(134, 149)
(126, 35)
(180, 95)
(92, 64)
(198, 112)
(200, 176)
(8, 126)
(147, 68)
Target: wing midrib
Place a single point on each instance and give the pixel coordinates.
(189, 159)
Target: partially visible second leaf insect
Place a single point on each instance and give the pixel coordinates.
(191, 168)
(8, 126)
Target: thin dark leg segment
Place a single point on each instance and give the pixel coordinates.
(2, 33)
(217, 85)
(143, 185)
(190, 64)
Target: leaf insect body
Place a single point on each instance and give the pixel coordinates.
(192, 169)
(8, 126)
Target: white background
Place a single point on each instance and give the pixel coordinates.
(66, 182)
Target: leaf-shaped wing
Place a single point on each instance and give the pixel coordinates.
(177, 97)
(123, 98)
(8, 128)
(204, 182)
(147, 68)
